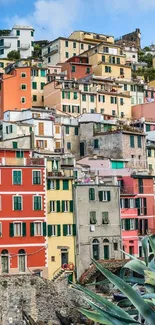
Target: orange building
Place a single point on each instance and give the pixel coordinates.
(15, 90)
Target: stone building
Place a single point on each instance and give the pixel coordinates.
(128, 145)
(130, 39)
(98, 223)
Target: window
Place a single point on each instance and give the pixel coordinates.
(105, 217)
(73, 68)
(121, 101)
(115, 246)
(8, 129)
(17, 32)
(49, 59)
(36, 177)
(150, 166)
(113, 112)
(149, 152)
(113, 100)
(52, 230)
(23, 87)
(75, 95)
(89, 47)
(74, 45)
(104, 196)
(74, 54)
(139, 141)
(34, 72)
(42, 85)
(93, 219)
(92, 98)
(2, 51)
(67, 130)
(87, 70)
(85, 87)
(41, 128)
(83, 97)
(106, 49)
(18, 43)
(103, 58)
(17, 229)
(91, 194)
(32, 33)
(23, 75)
(21, 260)
(1, 65)
(107, 69)
(75, 109)
(148, 127)
(65, 206)
(69, 230)
(34, 98)
(52, 258)
(140, 185)
(68, 145)
(132, 144)
(37, 202)
(17, 177)
(15, 145)
(67, 55)
(20, 154)
(23, 100)
(65, 184)
(96, 144)
(53, 206)
(125, 87)
(118, 60)
(57, 129)
(5, 261)
(17, 203)
(96, 249)
(43, 73)
(76, 131)
(34, 85)
(55, 164)
(117, 164)
(37, 228)
(121, 71)
(82, 46)
(66, 43)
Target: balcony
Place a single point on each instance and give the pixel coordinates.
(22, 161)
(6, 45)
(24, 46)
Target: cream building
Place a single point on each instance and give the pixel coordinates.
(91, 37)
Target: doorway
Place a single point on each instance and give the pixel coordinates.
(64, 257)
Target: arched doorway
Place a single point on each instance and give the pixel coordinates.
(5, 261)
(21, 260)
(96, 249)
(106, 254)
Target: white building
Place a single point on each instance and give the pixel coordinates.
(131, 54)
(21, 39)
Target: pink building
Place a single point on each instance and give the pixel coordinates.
(137, 211)
(146, 110)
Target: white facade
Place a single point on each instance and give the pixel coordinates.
(20, 39)
(131, 54)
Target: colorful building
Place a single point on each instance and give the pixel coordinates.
(23, 245)
(92, 37)
(60, 220)
(137, 211)
(77, 67)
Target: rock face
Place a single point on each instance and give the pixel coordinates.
(38, 299)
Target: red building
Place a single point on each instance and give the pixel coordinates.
(77, 67)
(22, 215)
(137, 211)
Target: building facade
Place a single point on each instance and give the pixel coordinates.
(98, 224)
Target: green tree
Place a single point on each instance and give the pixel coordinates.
(37, 51)
(13, 55)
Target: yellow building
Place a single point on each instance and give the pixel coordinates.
(91, 37)
(61, 226)
(4, 63)
(39, 79)
(94, 96)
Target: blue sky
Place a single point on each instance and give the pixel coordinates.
(53, 18)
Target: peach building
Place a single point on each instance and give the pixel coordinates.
(146, 110)
(15, 90)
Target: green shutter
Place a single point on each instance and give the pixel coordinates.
(49, 230)
(91, 194)
(63, 206)
(64, 230)
(137, 203)
(136, 223)
(127, 224)
(71, 206)
(24, 229)
(11, 230)
(100, 194)
(31, 229)
(58, 206)
(145, 206)
(44, 228)
(58, 231)
(68, 94)
(108, 195)
(76, 131)
(48, 184)
(57, 184)
(72, 109)
(78, 109)
(65, 184)
(63, 95)
(74, 229)
(132, 141)
(139, 141)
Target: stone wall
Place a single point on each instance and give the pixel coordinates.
(39, 298)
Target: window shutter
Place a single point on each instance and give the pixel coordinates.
(11, 230)
(132, 141)
(72, 109)
(100, 194)
(137, 203)
(63, 206)
(58, 206)
(24, 229)
(65, 185)
(145, 225)
(31, 229)
(57, 184)
(63, 95)
(69, 95)
(127, 224)
(45, 143)
(126, 203)
(64, 108)
(64, 230)
(71, 206)
(145, 206)
(58, 231)
(78, 109)
(69, 108)
(108, 196)
(136, 223)
(44, 228)
(48, 184)
(50, 206)
(49, 230)
(74, 229)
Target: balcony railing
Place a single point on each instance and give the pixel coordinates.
(24, 46)
(22, 161)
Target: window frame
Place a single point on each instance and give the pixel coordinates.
(41, 232)
(17, 170)
(21, 229)
(69, 230)
(41, 202)
(33, 171)
(13, 202)
(54, 205)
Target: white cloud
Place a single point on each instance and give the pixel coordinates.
(51, 18)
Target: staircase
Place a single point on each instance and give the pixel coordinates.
(58, 274)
